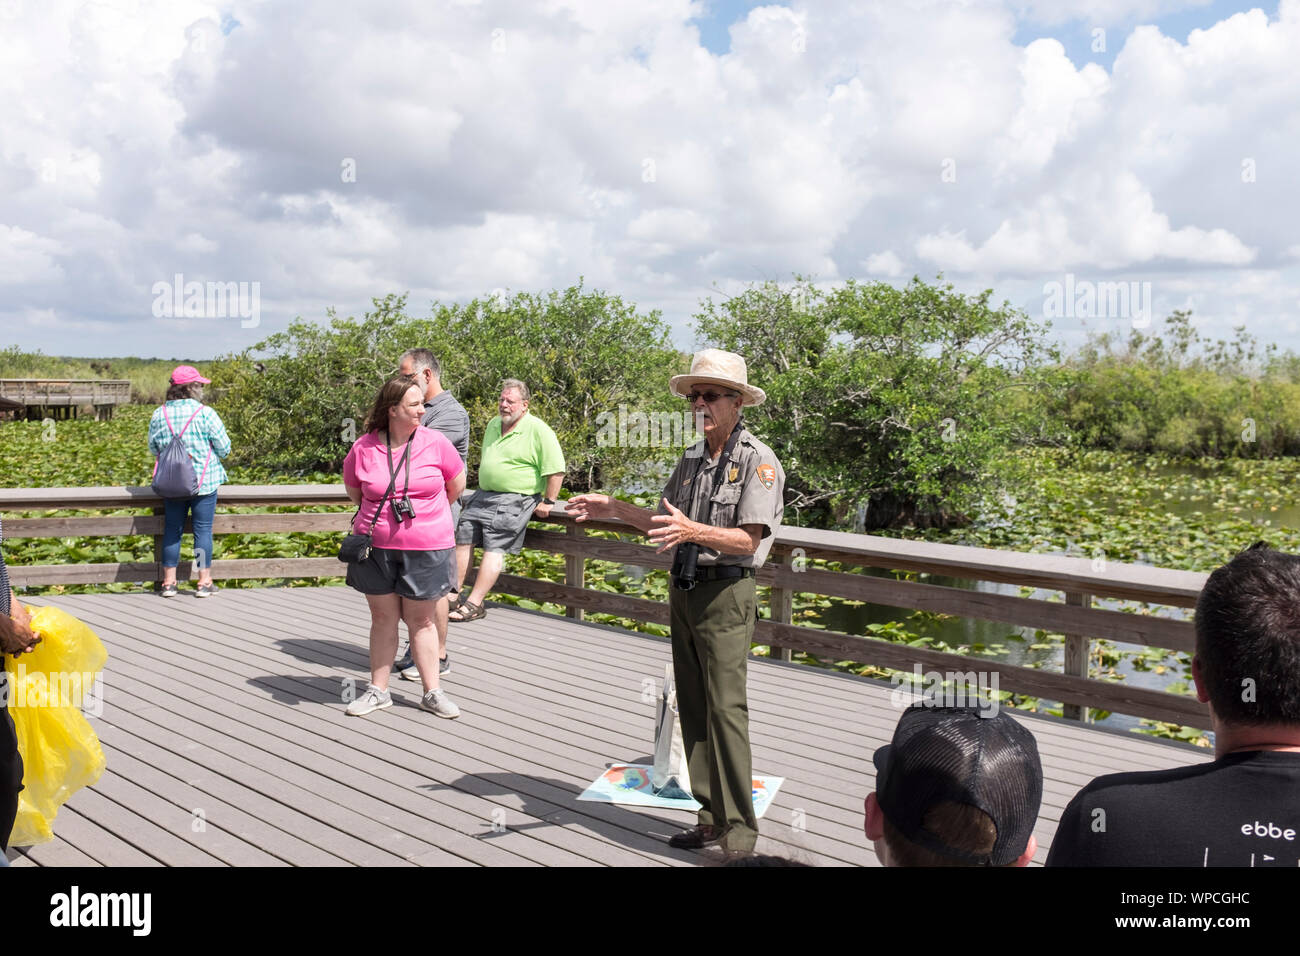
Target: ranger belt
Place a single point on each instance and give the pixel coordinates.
(715, 572)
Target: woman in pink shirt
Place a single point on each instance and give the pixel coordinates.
(402, 476)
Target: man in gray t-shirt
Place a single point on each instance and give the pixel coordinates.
(441, 410)
(442, 413)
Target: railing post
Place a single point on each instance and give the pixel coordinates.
(781, 602)
(158, 512)
(1076, 655)
(575, 571)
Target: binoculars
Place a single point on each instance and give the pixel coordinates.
(402, 510)
(683, 571)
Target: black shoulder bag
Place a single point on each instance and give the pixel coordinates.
(356, 547)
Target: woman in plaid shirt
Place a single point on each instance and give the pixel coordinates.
(207, 442)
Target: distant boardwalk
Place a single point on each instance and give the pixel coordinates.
(37, 398)
(227, 745)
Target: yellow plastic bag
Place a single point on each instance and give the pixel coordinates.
(47, 689)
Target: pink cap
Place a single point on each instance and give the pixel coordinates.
(184, 374)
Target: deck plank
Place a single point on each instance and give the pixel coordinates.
(319, 731)
(234, 706)
(851, 821)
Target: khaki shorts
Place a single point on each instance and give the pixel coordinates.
(496, 520)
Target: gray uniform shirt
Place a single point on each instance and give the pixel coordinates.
(444, 414)
(752, 492)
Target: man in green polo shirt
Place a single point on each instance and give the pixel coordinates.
(520, 471)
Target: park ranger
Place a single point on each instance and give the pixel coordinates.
(720, 510)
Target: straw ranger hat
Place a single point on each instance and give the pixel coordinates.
(716, 367)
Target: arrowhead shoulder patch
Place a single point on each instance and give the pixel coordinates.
(767, 475)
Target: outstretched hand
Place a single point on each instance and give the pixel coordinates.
(587, 507)
(672, 529)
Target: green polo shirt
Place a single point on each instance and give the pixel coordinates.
(520, 460)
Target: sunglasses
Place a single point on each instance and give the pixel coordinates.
(709, 397)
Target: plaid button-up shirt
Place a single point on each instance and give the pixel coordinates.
(205, 432)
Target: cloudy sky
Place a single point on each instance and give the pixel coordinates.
(324, 153)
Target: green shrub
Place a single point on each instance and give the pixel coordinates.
(886, 406)
(1182, 394)
(295, 401)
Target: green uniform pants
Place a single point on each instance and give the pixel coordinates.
(712, 626)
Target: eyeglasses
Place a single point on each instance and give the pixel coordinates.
(709, 397)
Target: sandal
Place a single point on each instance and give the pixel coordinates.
(468, 611)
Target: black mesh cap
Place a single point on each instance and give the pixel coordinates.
(953, 754)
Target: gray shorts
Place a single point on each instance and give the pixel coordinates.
(418, 575)
(496, 520)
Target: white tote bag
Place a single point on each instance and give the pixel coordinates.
(670, 771)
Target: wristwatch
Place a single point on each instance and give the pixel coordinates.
(548, 501)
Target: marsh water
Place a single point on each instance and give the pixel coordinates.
(1180, 491)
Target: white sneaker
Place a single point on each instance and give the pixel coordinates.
(439, 703)
(373, 699)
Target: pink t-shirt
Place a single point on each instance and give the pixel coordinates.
(434, 462)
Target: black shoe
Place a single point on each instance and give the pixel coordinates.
(406, 667)
(696, 838)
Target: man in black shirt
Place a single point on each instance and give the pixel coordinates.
(1244, 808)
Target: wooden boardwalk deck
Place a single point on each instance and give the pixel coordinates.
(227, 745)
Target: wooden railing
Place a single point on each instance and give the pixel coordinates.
(787, 572)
